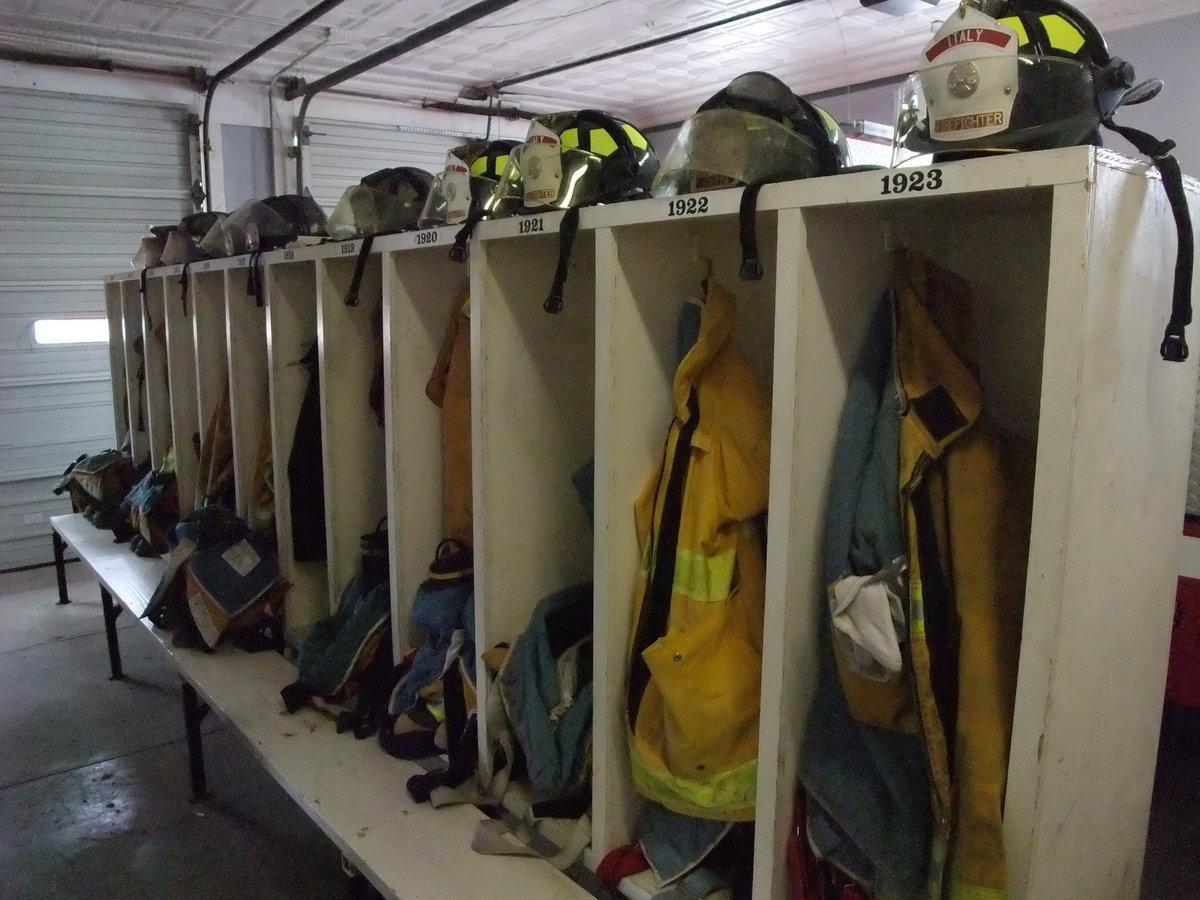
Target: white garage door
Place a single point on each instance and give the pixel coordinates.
(80, 179)
(339, 154)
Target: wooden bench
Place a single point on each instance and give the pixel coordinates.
(352, 789)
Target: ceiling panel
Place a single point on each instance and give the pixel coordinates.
(813, 45)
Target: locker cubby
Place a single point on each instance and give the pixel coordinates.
(533, 414)
(158, 389)
(246, 334)
(646, 273)
(181, 371)
(351, 435)
(206, 299)
(423, 287)
(291, 331)
(134, 346)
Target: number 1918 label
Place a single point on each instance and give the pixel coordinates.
(912, 182)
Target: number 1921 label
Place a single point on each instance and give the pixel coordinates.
(529, 226)
(912, 182)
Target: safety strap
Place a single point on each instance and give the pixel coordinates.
(183, 287)
(1174, 344)
(567, 230)
(360, 266)
(752, 269)
(254, 283)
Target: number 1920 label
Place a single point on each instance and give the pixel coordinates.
(912, 182)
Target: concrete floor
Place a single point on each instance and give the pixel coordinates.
(94, 789)
(95, 797)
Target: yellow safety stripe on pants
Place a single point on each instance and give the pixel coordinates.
(727, 795)
(916, 610)
(960, 891)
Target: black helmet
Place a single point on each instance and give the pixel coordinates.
(754, 131)
(384, 202)
(469, 178)
(1013, 75)
(575, 159)
(264, 225)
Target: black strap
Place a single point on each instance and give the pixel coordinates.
(254, 282)
(752, 269)
(360, 266)
(656, 601)
(183, 287)
(566, 240)
(459, 251)
(1174, 346)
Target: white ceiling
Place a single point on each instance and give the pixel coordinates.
(813, 45)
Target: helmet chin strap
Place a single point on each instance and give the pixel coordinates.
(1174, 346)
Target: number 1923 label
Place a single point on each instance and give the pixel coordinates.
(912, 182)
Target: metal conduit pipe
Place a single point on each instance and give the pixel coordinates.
(238, 64)
(385, 54)
(480, 92)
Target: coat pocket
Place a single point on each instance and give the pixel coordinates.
(708, 678)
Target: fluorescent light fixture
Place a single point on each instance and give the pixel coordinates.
(70, 331)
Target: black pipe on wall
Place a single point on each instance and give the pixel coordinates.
(385, 54)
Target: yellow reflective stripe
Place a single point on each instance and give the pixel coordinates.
(704, 579)
(601, 142)
(479, 165)
(635, 136)
(570, 137)
(916, 610)
(1016, 25)
(726, 794)
(1062, 34)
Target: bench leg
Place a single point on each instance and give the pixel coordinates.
(60, 567)
(194, 711)
(111, 611)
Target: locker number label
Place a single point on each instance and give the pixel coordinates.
(289, 255)
(349, 248)
(425, 237)
(687, 206)
(912, 182)
(529, 226)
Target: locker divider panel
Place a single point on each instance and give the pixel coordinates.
(291, 330)
(352, 438)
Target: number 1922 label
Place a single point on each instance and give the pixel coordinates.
(687, 206)
(912, 182)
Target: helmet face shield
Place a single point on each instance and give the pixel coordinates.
(252, 226)
(720, 148)
(366, 210)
